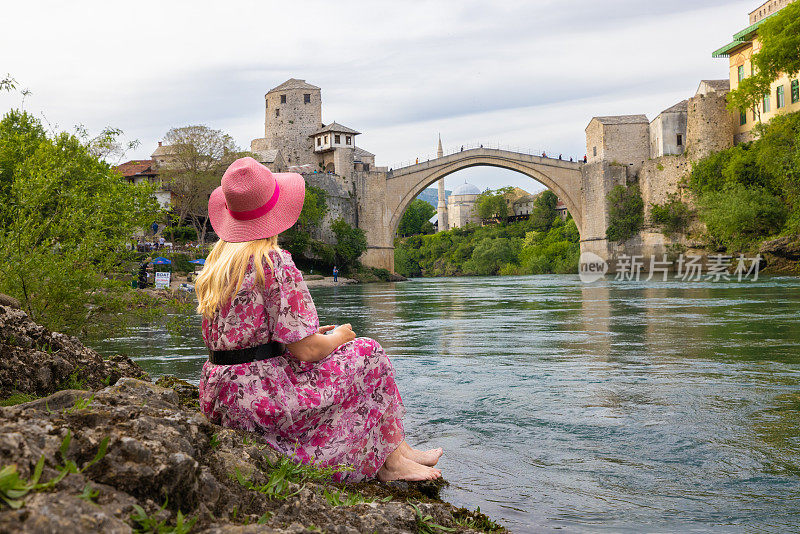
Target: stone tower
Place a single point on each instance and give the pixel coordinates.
(441, 209)
(293, 113)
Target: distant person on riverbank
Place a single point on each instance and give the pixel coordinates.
(584, 158)
(315, 393)
(335, 273)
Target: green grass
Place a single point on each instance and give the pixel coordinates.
(145, 523)
(425, 524)
(340, 498)
(17, 397)
(80, 404)
(284, 473)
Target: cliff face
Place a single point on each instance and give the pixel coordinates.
(133, 455)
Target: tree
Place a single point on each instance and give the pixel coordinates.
(416, 219)
(625, 212)
(297, 239)
(492, 204)
(198, 158)
(544, 211)
(779, 54)
(350, 242)
(490, 255)
(67, 218)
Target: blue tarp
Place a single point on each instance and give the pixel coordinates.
(161, 261)
(199, 261)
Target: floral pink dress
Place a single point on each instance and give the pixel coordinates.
(342, 410)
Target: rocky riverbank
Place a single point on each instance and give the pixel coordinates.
(92, 445)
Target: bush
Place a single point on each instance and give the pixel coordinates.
(489, 256)
(351, 243)
(672, 217)
(739, 217)
(625, 212)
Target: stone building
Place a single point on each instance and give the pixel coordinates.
(293, 112)
(295, 139)
(668, 131)
(784, 95)
(461, 206)
(620, 139)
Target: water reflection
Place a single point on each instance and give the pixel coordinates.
(615, 406)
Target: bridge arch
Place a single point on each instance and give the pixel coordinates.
(563, 180)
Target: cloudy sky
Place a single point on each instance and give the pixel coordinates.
(525, 74)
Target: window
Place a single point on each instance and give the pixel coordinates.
(742, 118)
(594, 150)
(337, 139)
(766, 103)
(741, 72)
(779, 97)
(319, 141)
(326, 139)
(680, 140)
(307, 98)
(283, 99)
(795, 91)
(347, 139)
(277, 112)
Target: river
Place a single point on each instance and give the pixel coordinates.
(616, 406)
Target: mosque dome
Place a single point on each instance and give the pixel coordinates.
(465, 189)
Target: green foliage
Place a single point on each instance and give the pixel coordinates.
(489, 255)
(557, 251)
(476, 521)
(80, 404)
(751, 191)
(544, 211)
(17, 398)
(625, 212)
(285, 474)
(314, 209)
(145, 523)
(76, 380)
(89, 494)
(350, 243)
(416, 219)
(65, 219)
(779, 53)
(513, 248)
(672, 216)
(738, 216)
(425, 524)
(340, 498)
(13, 488)
(493, 205)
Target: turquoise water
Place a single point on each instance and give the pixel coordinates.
(616, 406)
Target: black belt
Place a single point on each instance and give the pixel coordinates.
(250, 354)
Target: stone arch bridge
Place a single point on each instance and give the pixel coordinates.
(384, 196)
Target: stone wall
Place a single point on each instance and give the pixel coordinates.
(709, 126)
(626, 143)
(660, 178)
(289, 129)
(340, 198)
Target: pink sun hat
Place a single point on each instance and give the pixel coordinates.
(253, 203)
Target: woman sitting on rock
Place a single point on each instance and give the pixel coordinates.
(318, 394)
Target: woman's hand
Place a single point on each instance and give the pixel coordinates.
(345, 331)
(317, 346)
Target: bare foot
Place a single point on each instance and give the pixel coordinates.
(398, 467)
(429, 457)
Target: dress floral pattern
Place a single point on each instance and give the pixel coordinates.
(342, 410)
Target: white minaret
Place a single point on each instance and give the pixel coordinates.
(442, 207)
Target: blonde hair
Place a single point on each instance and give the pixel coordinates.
(225, 268)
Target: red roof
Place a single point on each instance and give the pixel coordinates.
(136, 167)
(560, 205)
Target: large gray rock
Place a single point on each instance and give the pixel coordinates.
(159, 452)
(38, 362)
